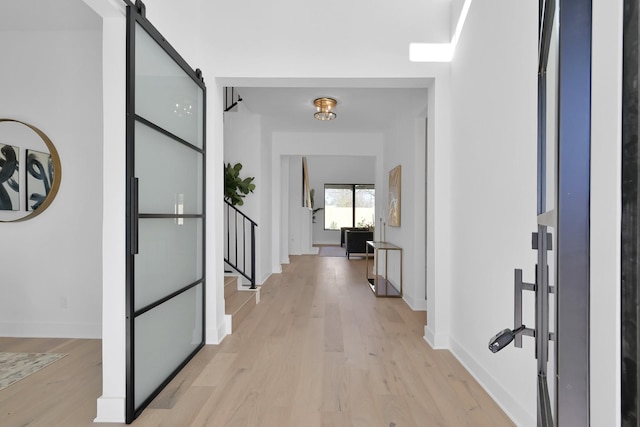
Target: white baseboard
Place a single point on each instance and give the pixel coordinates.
(211, 337)
(419, 305)
(265, 278)
(110, 410)
(228, 324)
(436, 341)
(514, 410)
(215, 336)
(51, 330)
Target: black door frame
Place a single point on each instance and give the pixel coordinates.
(630, 230)
(573, 203)
(572, 214)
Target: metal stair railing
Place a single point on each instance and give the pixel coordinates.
(240, 244)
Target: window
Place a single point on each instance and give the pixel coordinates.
(349, 205)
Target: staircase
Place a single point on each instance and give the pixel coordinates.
(240, 244)
(240, 259)
(238, 301)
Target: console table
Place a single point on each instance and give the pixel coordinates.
(380, 285)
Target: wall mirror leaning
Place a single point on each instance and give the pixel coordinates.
(30, 171)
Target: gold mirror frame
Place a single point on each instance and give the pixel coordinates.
(57, 167)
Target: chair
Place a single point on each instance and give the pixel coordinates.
(356, 241)
(344, 229)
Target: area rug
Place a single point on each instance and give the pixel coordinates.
(16, 366)
(332, 251)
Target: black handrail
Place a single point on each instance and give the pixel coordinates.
(240, 242)
(231, 98)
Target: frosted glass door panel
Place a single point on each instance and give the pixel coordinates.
(165, 94)
(169, 257)
(169, 174)
(164, 338)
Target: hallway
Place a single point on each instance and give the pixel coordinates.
(319, 350)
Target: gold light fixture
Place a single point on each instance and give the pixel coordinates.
(324, 107)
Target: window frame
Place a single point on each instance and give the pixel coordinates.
(353, 200)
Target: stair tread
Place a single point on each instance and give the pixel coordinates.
(230, 286)
(235, 302)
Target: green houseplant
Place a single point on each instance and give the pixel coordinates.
(312, 194)
(236, 188)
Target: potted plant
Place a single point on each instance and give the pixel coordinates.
(236, 188)
(314, 211)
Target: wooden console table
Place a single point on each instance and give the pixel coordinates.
(380, 285)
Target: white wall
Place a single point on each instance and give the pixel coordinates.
(51, 281)
(336, 170)
(493, 195)
(493, 159)
(405, 146)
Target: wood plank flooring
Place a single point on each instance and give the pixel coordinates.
(319, 350)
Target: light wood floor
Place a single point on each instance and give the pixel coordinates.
(319, 350)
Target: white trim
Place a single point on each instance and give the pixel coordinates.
(215, 336)
(228, 326)
(436, 341)
(415, 305)
(514, 410)
(108, 407)
(51, 330)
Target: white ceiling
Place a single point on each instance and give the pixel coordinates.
(358, 109)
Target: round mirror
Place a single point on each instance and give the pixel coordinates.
(30, 171)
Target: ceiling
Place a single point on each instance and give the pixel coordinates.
(358, 109)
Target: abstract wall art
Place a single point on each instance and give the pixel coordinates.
(394, 196)
(39, 178)
(30, 171)
(9, 178)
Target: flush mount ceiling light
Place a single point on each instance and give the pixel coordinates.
(324, 107)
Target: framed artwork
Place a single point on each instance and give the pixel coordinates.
(306, 190)
(39, 178)
(29, 179)
(393, 218)
(9, 178)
